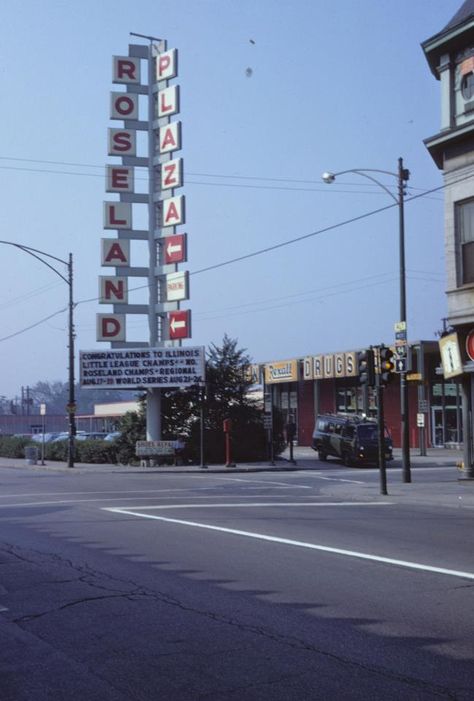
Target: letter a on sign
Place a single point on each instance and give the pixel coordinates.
(115, 252)
(173, 211)
(170, 137)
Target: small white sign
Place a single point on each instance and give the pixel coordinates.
(450, 355)
(420, 420)
(42, 409)
(177, 286)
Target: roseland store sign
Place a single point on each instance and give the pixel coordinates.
(166, 247)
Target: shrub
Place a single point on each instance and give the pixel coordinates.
(13, 447)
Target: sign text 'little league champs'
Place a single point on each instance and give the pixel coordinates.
(140, 367)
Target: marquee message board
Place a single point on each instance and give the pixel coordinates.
(131, 368)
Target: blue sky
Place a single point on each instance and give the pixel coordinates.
(273, 93)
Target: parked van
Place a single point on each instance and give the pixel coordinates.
(350, 437)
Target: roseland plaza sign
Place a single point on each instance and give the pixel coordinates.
(145, 102)
(166, 206)
(133, 368)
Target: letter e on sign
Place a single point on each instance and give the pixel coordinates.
(120, 179)
(110, 327)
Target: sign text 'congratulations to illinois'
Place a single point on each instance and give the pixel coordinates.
(142, 367)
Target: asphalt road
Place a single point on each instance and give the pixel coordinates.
(293, 585)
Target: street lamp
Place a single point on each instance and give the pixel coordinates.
(402, 176)
(71, 407)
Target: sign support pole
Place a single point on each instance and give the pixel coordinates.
(153, 399)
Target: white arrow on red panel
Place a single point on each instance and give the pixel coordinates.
(179, 324)
(175, 248)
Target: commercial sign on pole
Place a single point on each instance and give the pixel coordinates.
(130, 368)
(146, 72)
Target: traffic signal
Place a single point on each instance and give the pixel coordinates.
(386, 365)
(366, 366)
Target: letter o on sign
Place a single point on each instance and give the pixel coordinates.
(124, 105)
(470, 344)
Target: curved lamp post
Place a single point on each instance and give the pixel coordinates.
(402, 175)
(71, 407)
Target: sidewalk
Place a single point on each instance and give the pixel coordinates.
(427, 488)
(305, 459)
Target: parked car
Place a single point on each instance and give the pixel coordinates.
(64, 436)
(48, 437)
(113, 436)
(350, 437)
(92, 436)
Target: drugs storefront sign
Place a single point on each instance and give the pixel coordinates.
(142, 367)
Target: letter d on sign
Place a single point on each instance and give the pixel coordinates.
(111, 327)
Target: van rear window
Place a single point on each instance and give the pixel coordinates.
(367, 431)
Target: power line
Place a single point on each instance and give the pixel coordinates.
(195, 182)
(28, 328)
(269, 248)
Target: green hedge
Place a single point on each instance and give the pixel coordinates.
(85, 451)
(12, 447)
(93, 451)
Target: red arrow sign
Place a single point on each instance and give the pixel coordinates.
(174, 248)
(179, 324)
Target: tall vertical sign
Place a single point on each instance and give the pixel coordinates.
(145, 75)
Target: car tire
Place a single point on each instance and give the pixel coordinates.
(347, 460)
(322, 456)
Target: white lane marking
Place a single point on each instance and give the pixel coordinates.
(255, 504)
(147, 498)
(278, 484)
(301, 544)
(3, 608)
(111, 491)
(292, 486)
(337, 479)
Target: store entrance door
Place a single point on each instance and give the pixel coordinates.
(447, 431)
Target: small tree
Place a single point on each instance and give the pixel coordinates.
(133, 428)
(228, 397)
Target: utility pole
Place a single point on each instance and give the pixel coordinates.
(381, 433)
